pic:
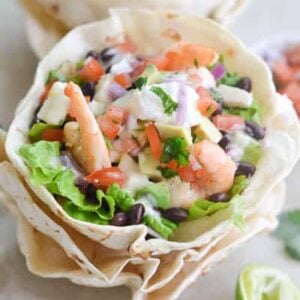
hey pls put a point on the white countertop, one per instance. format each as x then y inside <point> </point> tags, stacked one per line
<point>17,65</point>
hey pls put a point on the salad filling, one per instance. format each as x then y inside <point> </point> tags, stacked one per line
<point>122,139</point>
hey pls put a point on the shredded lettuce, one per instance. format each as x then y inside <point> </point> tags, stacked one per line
<point>42,158</point>
<point>252,153</point>
<point>162,226</point>
<point>56,75</point>
<point>203,207</point>
<point>81,215</point>
<point>159,191</point>
<point>251,113</point>
<point>122,198</point>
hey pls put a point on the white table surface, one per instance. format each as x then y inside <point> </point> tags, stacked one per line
<point>17,64</point>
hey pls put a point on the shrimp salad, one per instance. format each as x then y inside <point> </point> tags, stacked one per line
<point>121,139</point>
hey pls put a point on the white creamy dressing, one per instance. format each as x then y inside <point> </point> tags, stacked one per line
<point>55,109</point>
<point>101,99</point>
<point>240,141</point>
<point>149,204</point>
<point>146,105</point>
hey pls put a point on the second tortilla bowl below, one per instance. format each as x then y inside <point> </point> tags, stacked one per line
<point>279,149</point>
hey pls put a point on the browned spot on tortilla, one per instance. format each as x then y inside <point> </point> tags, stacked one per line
<point>173,34</point>
<point>231,52</point>
<point>76,258</point>
<point>54,8</point>
<point>170,15</point>
<point>106,237</point>
<point>57,231</point>
<point>91,229</point>
<point>89,272</point>
<point>112,40</point>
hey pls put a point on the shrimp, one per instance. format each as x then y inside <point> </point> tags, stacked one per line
<point>91,138</point>
<point>218,169</point>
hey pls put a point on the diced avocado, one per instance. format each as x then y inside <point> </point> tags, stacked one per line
<point>207,130</point>
<point>152,74</point>
<point>148,164</point>
<point>167,131</point>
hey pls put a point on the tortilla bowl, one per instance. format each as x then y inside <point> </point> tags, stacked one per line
<point>47,21</point>
<point>163,277</point>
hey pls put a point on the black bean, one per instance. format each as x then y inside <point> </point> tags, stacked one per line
<point>119,219</point>
<point>136,214</point>
<point>225,141</point>
<point>219,197</point>
<point>245,84</point>
<point>150,237</point>
<point>176,214</point>
<point>254,130</point>
<point>88,89</point>
<point>88,189</point>
<point>92,53</point>
<point>218,111</point>
<point>246,169</point>
<point>106,55</point>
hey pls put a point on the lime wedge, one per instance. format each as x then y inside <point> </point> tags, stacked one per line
<point>261,282</point>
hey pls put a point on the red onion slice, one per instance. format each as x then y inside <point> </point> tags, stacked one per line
<point>116,91</point>
<point>218,71</point>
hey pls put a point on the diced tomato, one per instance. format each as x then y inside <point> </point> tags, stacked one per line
<point>186,173</point>
<point>47,89</point>
<point>92,70</point>
<point>293,92</point>
<point>106,177</point>
<point>108,128</point>
<point>188,56</point>
<point>206,104</point>
<point>160,61</point>
<point>124,80</point>
<point>229,123</point>
<point>154,140</point>
<point>116,114</point>
<point>53,135</point>
<point>172,165</point>
<point>126,47</point>
<point>283,73</point>
<point>130,146</point>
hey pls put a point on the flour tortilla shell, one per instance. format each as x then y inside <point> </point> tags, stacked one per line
<point>281,144</point>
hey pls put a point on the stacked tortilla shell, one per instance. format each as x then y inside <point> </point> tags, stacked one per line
<point>47,21</point>
<point>107,256</point>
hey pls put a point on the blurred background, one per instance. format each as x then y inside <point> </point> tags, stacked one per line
<point>259,21</point>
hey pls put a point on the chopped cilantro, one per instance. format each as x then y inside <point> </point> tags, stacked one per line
<point>56,75</point>
<point>176,148</point>
<point>140,82</point>
<point>169,104</point>
<point>230,79</point>
<point>167,172</point>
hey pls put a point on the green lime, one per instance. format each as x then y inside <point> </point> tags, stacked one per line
<point>262,282</point>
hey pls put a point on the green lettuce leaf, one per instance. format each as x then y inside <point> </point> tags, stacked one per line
<point>251,113</point>
<point>159,191</point>
<point>239,185</point>
<point>81,215</point>
<point>122,198</point>
<point>252,153</point>
<point>230,79</point>
<point>202,208</point>
<point>111,204</point>
<point>237,218</point>
<point>162,226</point>
<point>42,158</point>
